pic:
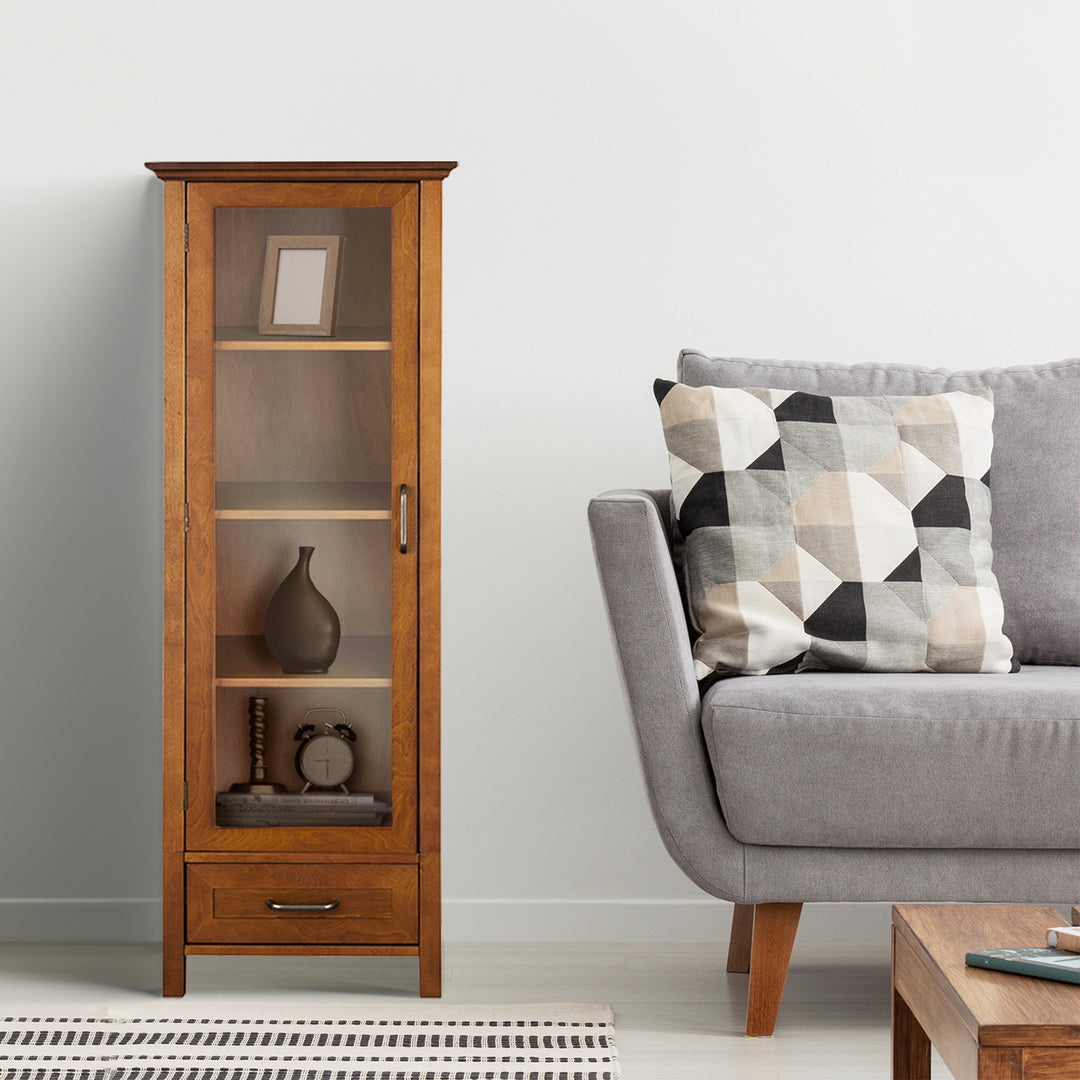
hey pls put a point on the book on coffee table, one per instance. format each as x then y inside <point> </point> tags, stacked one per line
<point>1056,964</point>
<point>1064,937</point>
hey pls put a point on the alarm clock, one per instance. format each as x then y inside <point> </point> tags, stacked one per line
<point>325,760</point>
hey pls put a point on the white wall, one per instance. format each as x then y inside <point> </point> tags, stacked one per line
<point>837,180</point>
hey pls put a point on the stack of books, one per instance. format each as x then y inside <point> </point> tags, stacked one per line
<point>292,809</point>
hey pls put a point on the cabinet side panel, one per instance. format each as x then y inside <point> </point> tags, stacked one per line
<point>174,571</point>
<point>199,761</point>
<point>428,704</point>
<point>175,304</point>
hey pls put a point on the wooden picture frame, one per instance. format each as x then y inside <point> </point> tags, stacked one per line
<point>300,285</point>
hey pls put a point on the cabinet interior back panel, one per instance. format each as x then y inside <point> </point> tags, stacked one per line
<point>240,254</point>
<point>294,416</point>
<point>350,567</point>
<point>365,710</point>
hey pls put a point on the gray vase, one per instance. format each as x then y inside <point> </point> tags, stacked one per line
<point>302,629</point>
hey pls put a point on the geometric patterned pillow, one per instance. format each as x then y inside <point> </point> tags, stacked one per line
<point>849,533</point>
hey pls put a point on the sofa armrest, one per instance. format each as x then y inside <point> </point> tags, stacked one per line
<point>633,557</point>
<point>645,609</point>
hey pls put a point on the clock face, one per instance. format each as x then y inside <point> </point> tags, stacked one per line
<point>325,761</point>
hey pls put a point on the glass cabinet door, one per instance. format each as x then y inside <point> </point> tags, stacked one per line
<point>301,477</point>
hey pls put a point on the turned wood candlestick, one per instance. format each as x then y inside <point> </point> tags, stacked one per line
<point>258,784</point>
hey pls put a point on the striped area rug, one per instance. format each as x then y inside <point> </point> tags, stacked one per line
<point>441,1042</point>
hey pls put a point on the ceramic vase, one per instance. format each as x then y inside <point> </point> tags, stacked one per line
<point>302,629</point>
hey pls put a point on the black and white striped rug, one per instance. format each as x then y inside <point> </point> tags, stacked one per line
<point>443,1042</point>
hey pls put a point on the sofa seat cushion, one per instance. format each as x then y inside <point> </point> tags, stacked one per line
<point>842,760</point>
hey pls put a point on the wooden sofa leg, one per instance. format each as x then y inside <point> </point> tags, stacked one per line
<point>774,935</point>
<point>742,935</point>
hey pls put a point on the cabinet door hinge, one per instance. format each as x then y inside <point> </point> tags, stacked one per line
<point>186,237</point>
<point>187,519</point>
<point>185,794</point>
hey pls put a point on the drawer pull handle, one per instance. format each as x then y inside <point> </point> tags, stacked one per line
<point>403,545</point>
<point>273,905</point>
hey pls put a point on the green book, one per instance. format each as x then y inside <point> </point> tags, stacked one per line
<point>1054,964</point>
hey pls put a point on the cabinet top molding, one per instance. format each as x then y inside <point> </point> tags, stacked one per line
<point>301,170</point>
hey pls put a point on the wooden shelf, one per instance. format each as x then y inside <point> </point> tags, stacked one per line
<point>347,339</point>
<point>303,501</point>
<point>362,662</point>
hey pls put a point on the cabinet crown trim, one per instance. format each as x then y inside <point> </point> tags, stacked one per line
<point>301,170</point>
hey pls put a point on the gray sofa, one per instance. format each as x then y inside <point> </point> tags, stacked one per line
<point>834,786</point>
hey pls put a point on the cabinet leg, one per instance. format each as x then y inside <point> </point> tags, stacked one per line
<point>430,926</point>
<point>430,972</point>
<point>173,932</point>
<point>173,974</point>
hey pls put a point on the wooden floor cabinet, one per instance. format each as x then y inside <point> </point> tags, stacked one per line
<point>302,403</point>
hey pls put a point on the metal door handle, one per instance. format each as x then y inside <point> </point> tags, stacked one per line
<point>273,905</point>
<point>404,545</point>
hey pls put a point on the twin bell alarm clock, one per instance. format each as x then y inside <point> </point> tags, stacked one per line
<point>325,760</point>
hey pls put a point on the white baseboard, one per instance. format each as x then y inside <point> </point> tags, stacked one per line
<point>645,920</point>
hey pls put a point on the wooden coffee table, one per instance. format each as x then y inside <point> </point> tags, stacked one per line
<point>986,1025</point>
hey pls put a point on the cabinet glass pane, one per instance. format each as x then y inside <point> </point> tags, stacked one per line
<point>303,460</point>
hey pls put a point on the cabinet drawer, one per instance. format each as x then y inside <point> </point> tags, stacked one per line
<point>302,903</point>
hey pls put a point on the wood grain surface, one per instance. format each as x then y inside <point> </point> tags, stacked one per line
<point>301,170</point>
<point>775,926</point>
<point>174,535</point>
<point>742,938</point>
<point>985,1024</point>
<point>270,444</point>
<point>429,534</point>
<point>1007,1009</point>
<point>430,924</point>
<point>376,904</point>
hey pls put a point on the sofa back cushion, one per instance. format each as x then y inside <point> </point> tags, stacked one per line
<point>1034,478</point>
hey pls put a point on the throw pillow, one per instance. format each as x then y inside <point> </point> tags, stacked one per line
<point>848,533</point>
<point>1034,485</point>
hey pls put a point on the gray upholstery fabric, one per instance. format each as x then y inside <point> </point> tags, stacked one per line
<point>839,759</point>
<point>653,646</point>
<point>897,876</point>
<point>631,545</point>
<point>1034,476</point>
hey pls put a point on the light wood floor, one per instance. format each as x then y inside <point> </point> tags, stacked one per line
<point>678,1015</point>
